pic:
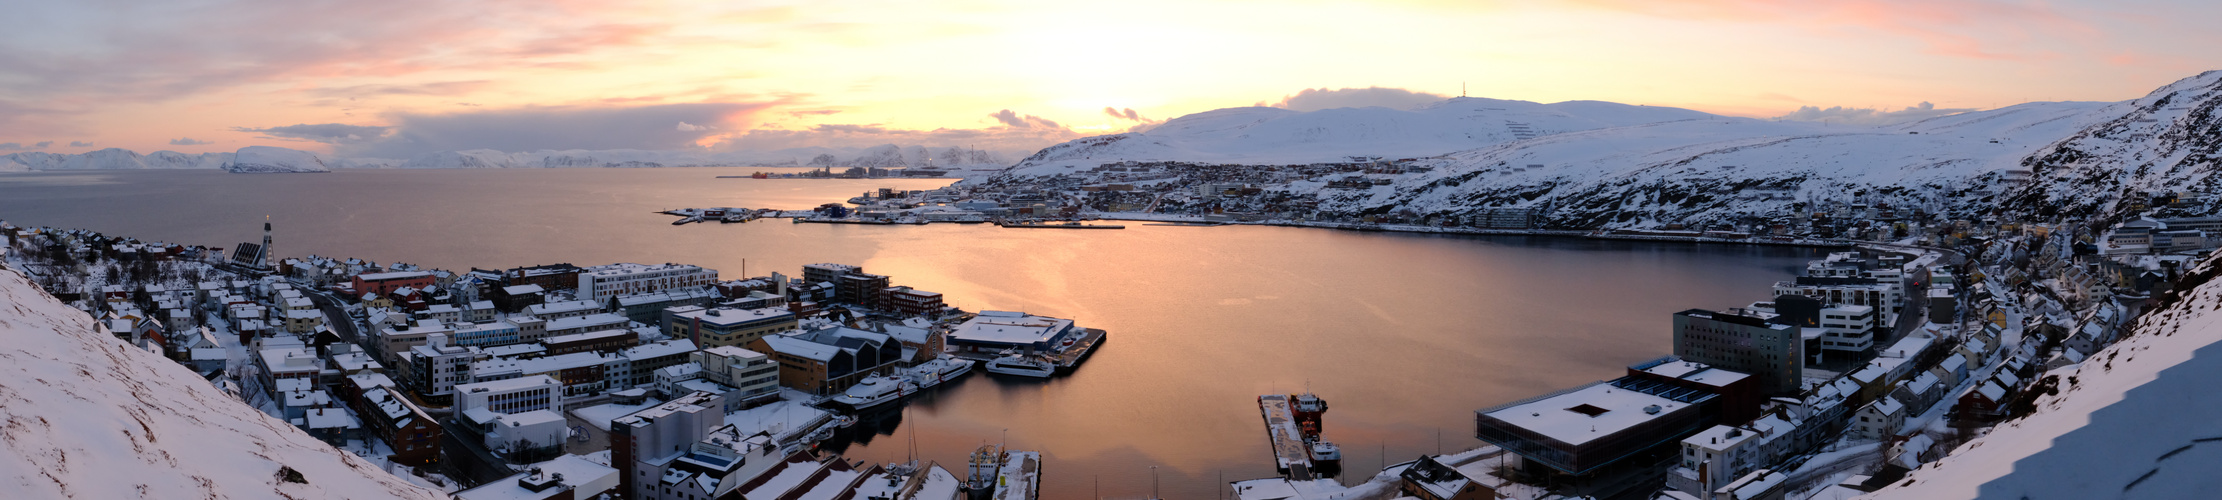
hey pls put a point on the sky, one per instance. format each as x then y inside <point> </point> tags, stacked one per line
<point>397,78</point>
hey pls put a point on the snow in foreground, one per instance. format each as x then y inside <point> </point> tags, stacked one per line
<point>2136,420</point>
<point>83,415</point>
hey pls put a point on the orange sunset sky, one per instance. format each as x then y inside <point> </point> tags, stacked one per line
<point>353,78</point>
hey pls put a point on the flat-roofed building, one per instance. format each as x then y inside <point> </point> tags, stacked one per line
<point>1743,343</point>
<point>754,374</point>
<point>517,395</point>
<point>1582,430</point>
<point>726,327</point>
<point>599,283</point>
<point>996,331</point>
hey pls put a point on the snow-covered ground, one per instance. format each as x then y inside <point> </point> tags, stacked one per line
<point>83,415</point>
<point>2135,420</point>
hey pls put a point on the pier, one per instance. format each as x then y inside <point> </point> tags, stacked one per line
<point>1290,455</point>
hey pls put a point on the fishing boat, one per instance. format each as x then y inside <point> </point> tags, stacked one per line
<point>1022,365</point>
<point>875,391</point>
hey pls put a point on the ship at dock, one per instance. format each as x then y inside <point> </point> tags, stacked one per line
<point>993,473</point>
<point>1293,426</point>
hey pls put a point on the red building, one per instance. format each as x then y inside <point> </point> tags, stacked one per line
<point>910,302</point>
<point>413,435</point>
<point>384,283</point>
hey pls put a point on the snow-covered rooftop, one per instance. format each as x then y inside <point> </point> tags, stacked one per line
<point>1591,412</point>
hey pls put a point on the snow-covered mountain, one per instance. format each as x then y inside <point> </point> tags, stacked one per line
<point>1261,135</point>
<point>110,159</point>
<point>1722,169</point>
<point>84,415</point>
<point>1609,165</point>
<point>269,160</point>
<point>2135,420</point>
<point>2168,141</point>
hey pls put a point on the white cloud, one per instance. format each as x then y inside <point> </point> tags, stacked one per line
<point>1395,98</point>
<point>1870,116</point>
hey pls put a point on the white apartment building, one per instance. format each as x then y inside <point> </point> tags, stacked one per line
<point>753,373</point>
<point>517,395</point>
<point>599,283</point>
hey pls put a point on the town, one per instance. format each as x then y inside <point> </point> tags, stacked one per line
<point>667,381</point>
<point>1877,360</point>
<point>646,381</point>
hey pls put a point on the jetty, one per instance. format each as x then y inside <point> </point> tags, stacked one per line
<point>1291,456</point>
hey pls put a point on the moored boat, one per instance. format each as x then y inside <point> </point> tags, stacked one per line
<point>1022,365</point>
<point>875,391</point>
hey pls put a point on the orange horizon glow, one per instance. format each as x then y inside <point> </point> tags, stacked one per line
<point>770,75</point>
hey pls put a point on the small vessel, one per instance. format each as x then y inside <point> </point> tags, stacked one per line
<point>875,391</point>
<point>1022,365</point>
<point>1324,452</point>
<point>938,370</point>
<point>844,421</point>
<point>734,217</point>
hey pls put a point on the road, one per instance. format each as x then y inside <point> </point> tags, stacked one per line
<point>335,314</point>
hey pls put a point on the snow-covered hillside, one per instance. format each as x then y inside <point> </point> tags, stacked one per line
<point>110,159</point>
<point>1720,169</point>
<point>1260,135</point>
<point>270,160</point>
<point>2136,420</point>
<point>1603,165</point>
<point>2170,140</point>
<point>86,416</point>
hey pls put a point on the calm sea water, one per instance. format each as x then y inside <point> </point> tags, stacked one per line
<point>1404,335</point>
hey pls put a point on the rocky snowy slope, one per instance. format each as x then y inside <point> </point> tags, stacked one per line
<point>2170,140</point>
<point>110,159</point>
<point>1261,135</point>
<point>1722,169</point>
<point>270,160</point>
<point>2136,420</point>
<point>85,416</point>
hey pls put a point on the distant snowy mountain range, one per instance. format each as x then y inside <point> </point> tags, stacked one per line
<point>882,156</point>
<point>1611,165</point>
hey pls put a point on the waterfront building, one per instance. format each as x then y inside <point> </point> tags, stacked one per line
<point>726,327</point>
<point>599,283</point>
<point>1581,431</point>
<point>831,360</point>
<point>997,331</point>
<point>1772,352</point>
<point>517,395</point>
<point>907,301</point>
